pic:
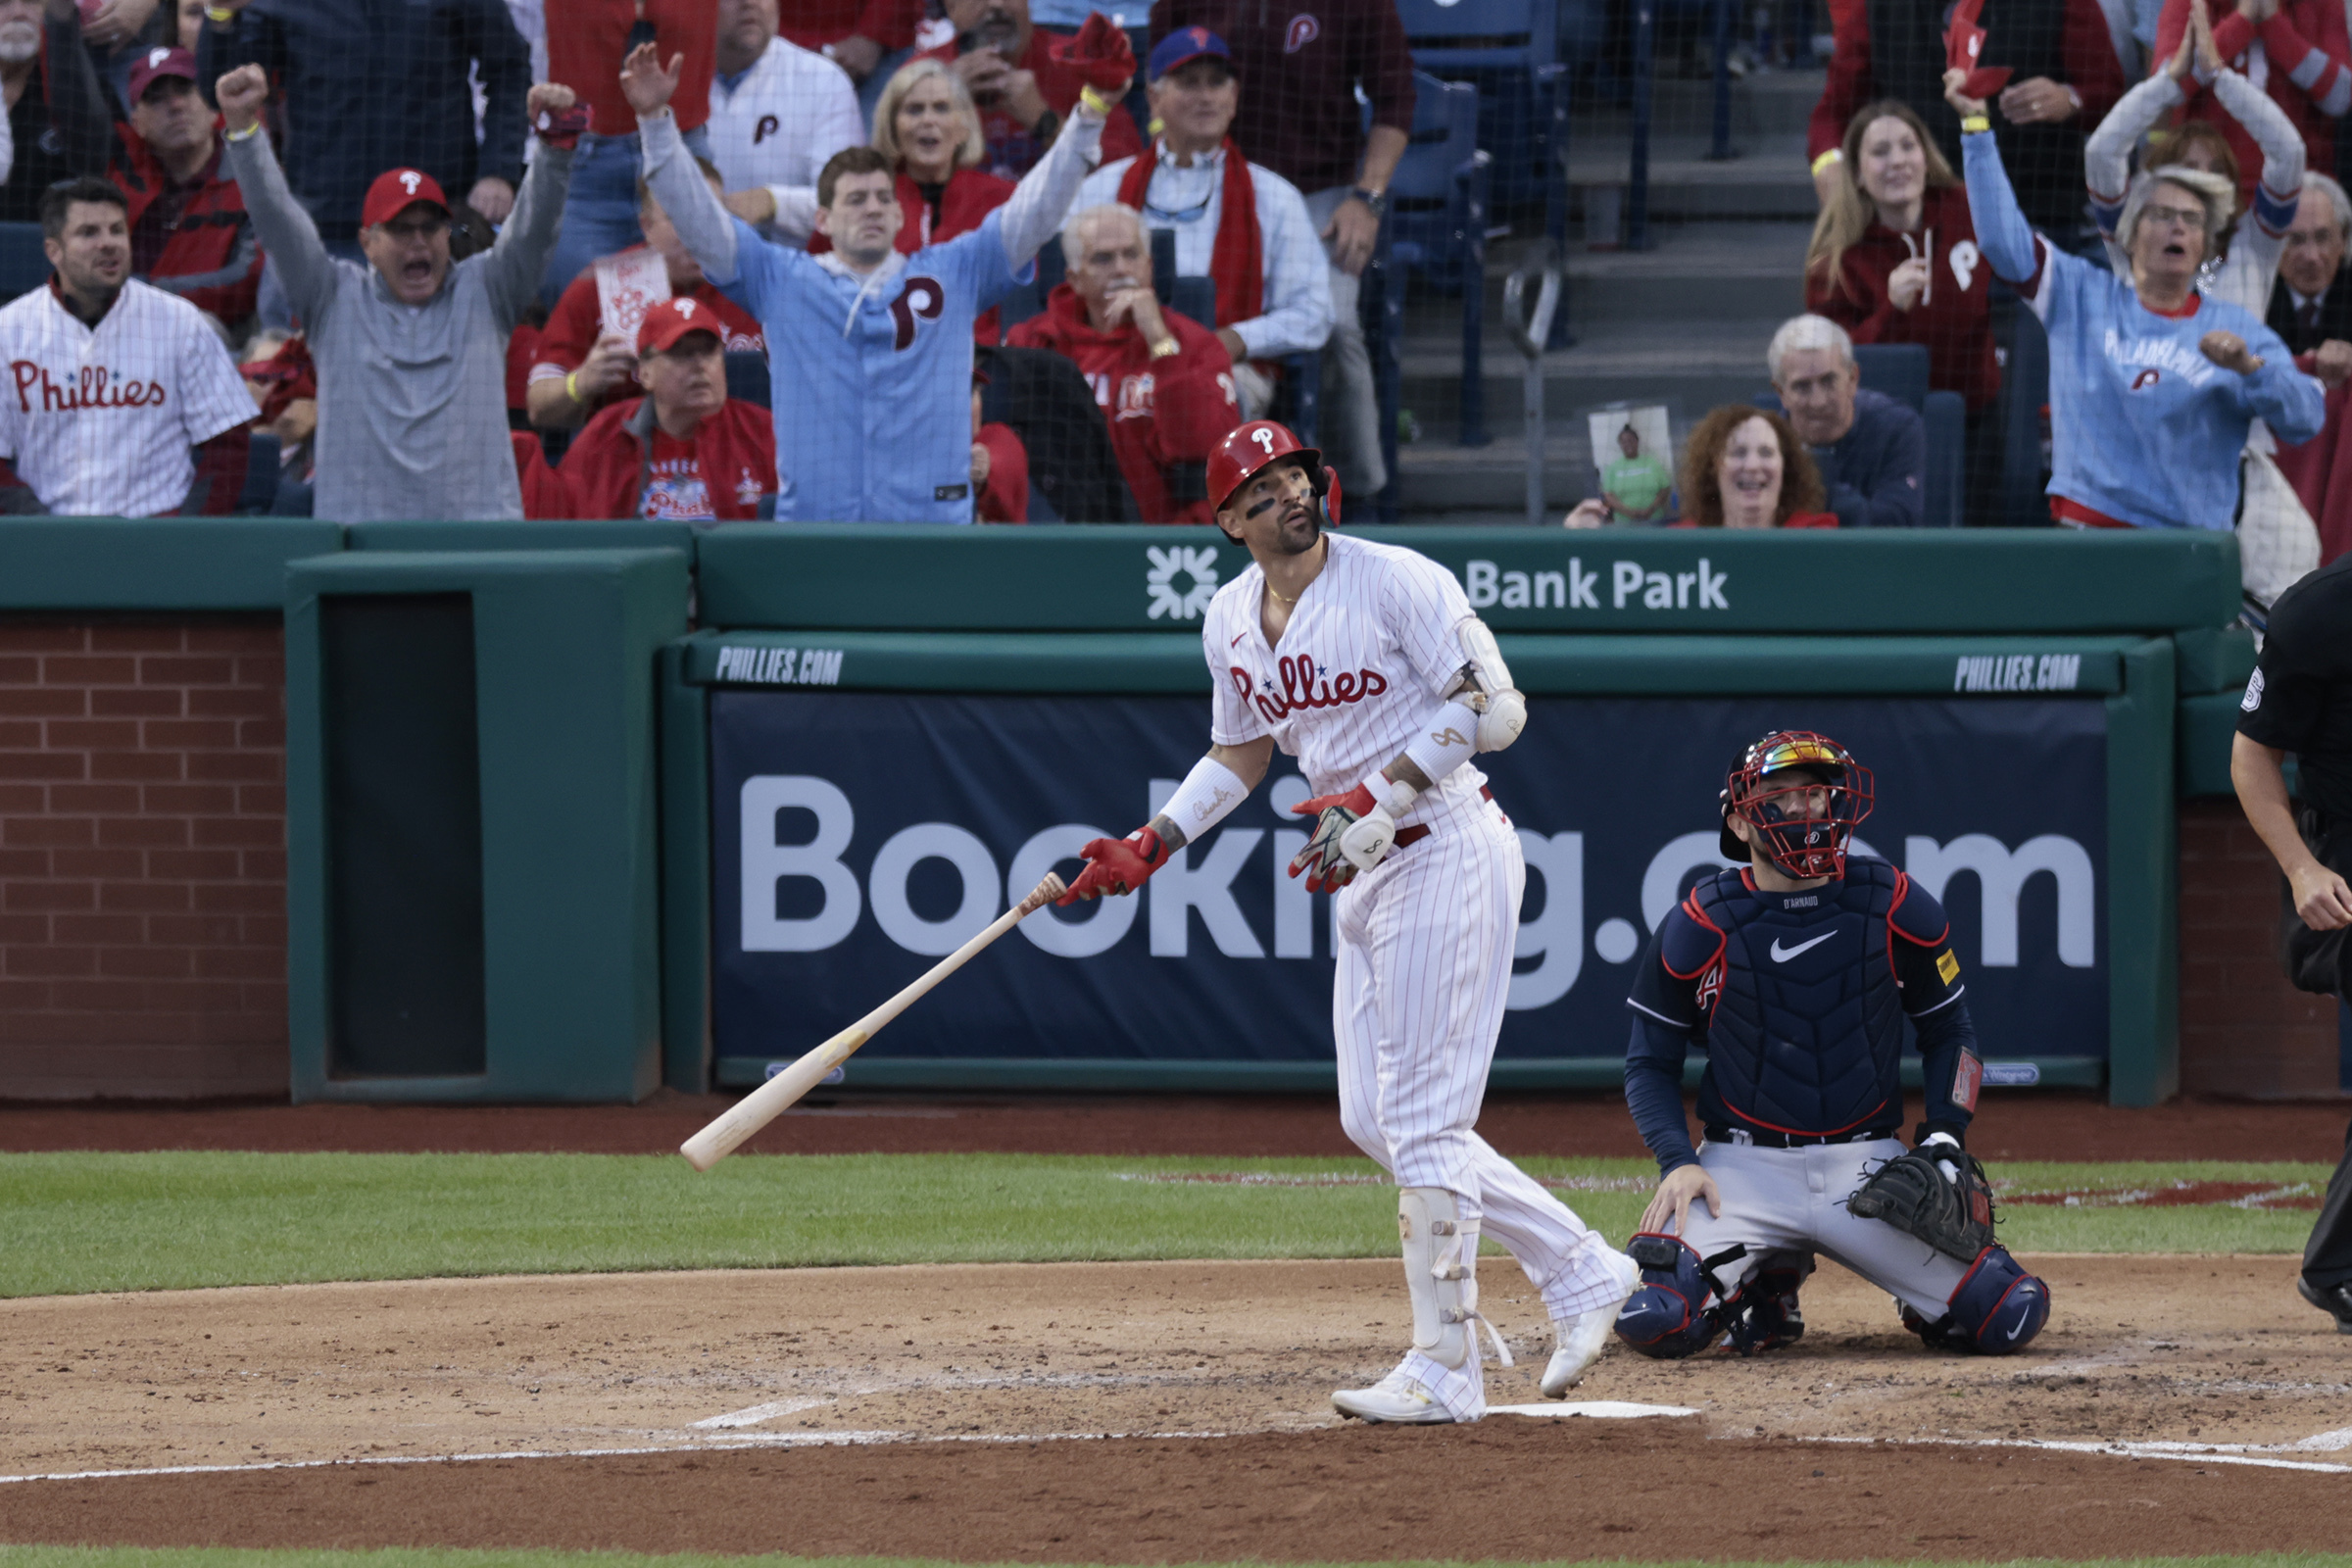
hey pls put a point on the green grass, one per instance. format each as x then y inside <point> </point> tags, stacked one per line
<point>81,1222</point>
<point>414,1557</point>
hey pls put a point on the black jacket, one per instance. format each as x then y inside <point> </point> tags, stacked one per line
<point>377,84</point>
<point>2336,315</point>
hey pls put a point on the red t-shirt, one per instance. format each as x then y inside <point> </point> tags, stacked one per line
<point>1952,317</point>
<point>587,42</point>
<point>574,325</point>
<point>1160,412</point>
<point>718,475</point>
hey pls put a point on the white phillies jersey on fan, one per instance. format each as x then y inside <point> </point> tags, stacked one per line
<point>99,424</point>
<point>1369,646</point>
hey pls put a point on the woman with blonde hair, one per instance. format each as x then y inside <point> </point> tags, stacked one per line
<point>1895,257</point>
<point>929,128</point>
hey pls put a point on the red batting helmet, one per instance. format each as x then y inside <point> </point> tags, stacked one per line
<point>1252,447</point>
<point>1805,832</point>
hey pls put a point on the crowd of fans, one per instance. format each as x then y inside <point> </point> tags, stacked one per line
<point>453,293</point>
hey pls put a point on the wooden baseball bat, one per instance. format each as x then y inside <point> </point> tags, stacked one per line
<point>765,1104</point>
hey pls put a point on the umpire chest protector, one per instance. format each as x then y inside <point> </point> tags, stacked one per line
<point>1803,1014</point>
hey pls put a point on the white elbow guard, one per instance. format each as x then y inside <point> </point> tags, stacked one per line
<point>1486,689</point>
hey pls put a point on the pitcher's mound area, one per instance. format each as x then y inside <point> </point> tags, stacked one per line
<point>1154,1412</point>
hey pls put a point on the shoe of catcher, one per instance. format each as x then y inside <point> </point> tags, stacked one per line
<point>1396,1398</point>
<point>2335,1302</point>
<point>1582,1337</point>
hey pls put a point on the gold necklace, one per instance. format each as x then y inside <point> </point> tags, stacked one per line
<point>1288,599</point>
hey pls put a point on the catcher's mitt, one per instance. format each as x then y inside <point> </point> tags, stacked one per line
<point>1953,1215</point>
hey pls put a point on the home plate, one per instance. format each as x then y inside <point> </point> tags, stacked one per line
<point>1598,1409</point>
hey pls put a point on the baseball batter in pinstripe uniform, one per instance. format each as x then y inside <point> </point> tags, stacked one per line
<point>1364,662</point>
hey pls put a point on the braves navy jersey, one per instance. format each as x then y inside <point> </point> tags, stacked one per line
<point>1799,1001</point>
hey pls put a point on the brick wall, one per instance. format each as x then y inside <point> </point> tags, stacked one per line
<point>2243,1029</point>
<point>142,857</point>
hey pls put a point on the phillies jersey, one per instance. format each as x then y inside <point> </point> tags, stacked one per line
<point>100,423</point>
<point>873,392</point>
<point>1370,645</point>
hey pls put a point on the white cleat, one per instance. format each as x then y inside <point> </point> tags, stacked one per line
<point>1583,1338</point>
<point>1397,1398</point>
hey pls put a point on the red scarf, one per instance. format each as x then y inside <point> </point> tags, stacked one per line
<point>1238,263</point>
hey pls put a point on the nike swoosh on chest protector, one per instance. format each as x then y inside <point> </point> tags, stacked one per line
<point>1780,955</point>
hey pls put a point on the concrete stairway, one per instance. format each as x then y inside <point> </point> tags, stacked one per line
<point>1683,322</point>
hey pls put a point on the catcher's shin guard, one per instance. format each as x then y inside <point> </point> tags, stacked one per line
<point>1673,1311</point>
<point>1441,1274</point>
<point>1997,1309</point>
<point>1764,1315</point>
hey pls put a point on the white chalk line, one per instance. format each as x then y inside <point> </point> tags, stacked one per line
<point>1594,1409</point>
<point>2250,1455</point>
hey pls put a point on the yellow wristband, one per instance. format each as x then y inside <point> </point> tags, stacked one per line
<point>220,14</point>
<point>247,134</point>
<point>572,388</point>
<point>1834,156</point>
<point>1975,124</point>
<point>1167,346</point>
<point>1088,98</point>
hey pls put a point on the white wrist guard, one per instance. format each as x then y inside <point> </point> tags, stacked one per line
<point>1201,802</point>
<point>1366,840</point>
<point>1444,742</point>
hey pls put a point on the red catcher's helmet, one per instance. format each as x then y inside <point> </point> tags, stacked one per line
<point>1249,447</point>
<point>1805,833</point>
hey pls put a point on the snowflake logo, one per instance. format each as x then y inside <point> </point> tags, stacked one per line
<point>1200,564</point>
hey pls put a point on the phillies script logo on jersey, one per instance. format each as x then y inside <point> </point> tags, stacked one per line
<point>1300,689</point>
<point>93,386</point>
<point>922,301</point>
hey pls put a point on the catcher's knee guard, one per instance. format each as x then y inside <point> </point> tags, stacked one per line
<point>1997,1309</point>
<point>1673,1313</point>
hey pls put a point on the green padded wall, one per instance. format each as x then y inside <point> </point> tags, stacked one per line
<point>566,647</point>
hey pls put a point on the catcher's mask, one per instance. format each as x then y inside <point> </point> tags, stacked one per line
<point>1805,794</point>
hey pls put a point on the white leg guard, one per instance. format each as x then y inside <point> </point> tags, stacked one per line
<point>1442,1377</point>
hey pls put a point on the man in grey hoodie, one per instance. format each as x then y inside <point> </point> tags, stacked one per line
<point>411,347</point>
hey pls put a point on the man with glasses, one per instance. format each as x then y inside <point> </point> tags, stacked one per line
<point>412,347</point>
<point>2308,305</point>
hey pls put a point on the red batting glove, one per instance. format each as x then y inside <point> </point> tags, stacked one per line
<point>1100,53</point>
<point>1118,866</point>
<point>564,129</point>
<point>1327,870</point>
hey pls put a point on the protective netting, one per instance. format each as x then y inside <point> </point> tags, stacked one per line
<point>1323,201</point>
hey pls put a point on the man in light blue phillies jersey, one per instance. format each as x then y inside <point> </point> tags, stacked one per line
<point>870,352</point>
<point>2152,385</point>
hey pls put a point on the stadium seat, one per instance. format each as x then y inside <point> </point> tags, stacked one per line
<point>23,266</point>
<point>1438,197</point>
<point>747,377</point>
<point>1509,49</point>
<point>2025,393</point>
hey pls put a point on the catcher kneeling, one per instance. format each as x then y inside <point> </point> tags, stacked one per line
<point>1794,974</point>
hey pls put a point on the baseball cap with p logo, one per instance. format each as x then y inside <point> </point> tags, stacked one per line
<point>397,189</point>
<point>157,64</point>
<point>1184,46</point>
<point>672,319</point>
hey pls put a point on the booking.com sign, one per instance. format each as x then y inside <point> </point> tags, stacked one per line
<point>1200,883</point>
<point>860,836</point>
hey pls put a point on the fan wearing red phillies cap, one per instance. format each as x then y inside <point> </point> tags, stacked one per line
<point>189,233</point>
<point>1364,662</point>
<point>685,452</point>
<point>411,349</point>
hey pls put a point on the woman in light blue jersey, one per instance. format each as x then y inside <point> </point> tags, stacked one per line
<point>2153,387</point>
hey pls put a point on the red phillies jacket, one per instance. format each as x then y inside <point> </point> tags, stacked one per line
<point>719,474</point>
<point>1160,412</point>
<point>1953,318</point>
<point>210,259</point>
<point>2309,54</point>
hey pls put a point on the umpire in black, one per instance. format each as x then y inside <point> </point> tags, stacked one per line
<point>2300,701</point>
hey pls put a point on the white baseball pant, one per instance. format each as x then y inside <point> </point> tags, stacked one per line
<point>1423,941</point>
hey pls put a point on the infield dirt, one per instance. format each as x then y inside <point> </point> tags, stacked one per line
<point>1215,1377</point>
